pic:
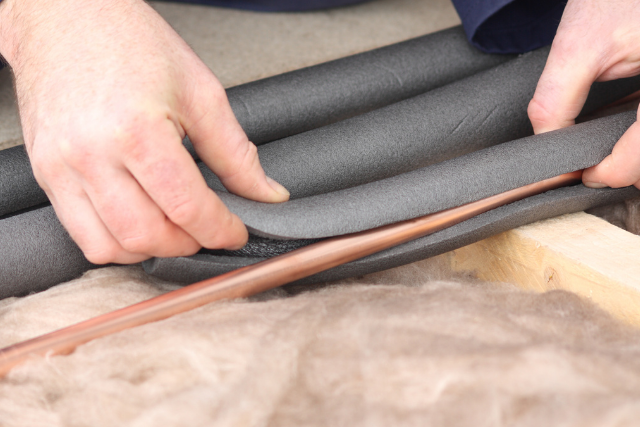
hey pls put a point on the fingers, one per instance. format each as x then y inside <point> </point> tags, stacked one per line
<point>133,219</point>
<point>223,146</point>
<point>111,217</point>
<point>77,215</point>
<point>595,41</point>
<point>622,167</point>
<point>563,87</point>
<point>146,198</point>
<point>168,175</point>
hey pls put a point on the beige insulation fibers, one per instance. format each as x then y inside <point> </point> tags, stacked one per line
<point>394,348</point>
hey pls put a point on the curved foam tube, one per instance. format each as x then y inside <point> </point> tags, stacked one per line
<point>436,187</point>
<point>36,253</point>
<point>304,99</point>
<point>430,189</point>
<point>547,205</point>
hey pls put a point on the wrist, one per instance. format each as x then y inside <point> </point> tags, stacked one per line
<point>36,28</point>
<point>8,39</point>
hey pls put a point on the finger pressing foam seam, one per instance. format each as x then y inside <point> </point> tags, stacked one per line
<point>622,167</point>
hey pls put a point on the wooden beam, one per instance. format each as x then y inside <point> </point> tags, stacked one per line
<point>579,252</point>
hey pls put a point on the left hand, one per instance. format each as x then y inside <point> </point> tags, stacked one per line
<point>596,41</point>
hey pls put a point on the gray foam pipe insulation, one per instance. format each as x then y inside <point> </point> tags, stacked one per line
<point>283,105</point>
<point>478,111</point>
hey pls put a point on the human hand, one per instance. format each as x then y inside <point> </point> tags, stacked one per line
<point>596,41</point>
<point>106,92</point>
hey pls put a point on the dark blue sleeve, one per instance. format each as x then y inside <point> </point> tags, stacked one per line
<point>510,26</point>
<point>274,5</point>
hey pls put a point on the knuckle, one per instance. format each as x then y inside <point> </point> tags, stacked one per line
<point>132,143</point>
<point>140,244</point>
<point>182,211</point>
<point>538,112</point>
<point>246,159</point>
<point>42,156</point>
<point>248,155</point>
<point>37,155</point>
<point>77,154</point>
<point>121,137</point>
<point>249,163</point>
<point>563,46</point>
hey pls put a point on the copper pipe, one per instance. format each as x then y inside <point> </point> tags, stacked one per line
<point>266,275</point>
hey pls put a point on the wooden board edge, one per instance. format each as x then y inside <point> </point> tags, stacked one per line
<point>579,253</point>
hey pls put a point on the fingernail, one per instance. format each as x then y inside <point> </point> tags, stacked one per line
<point>278,187</point>
<point>595,184</point>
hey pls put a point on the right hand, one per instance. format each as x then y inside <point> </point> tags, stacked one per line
<point>106,92</point>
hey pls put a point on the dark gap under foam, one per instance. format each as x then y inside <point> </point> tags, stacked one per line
<point>261,247</point>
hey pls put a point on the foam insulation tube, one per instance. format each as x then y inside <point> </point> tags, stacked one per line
<point>36,252</point>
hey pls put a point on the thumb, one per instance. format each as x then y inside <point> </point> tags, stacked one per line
<point>223,146</point>
<point>563,88</point>
<point>621,168</point>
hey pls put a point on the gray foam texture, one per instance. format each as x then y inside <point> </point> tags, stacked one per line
<point>312,97</point>
<point>485,109</point>
<point>18,187</point>
<point>546,205</point>
<point>301,100</point>
<point>36,251</point>
<point>436,187</point>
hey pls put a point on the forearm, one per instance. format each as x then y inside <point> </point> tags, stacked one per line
<point>33,31</point>
<point>23,24</point>
<point>10,28</point>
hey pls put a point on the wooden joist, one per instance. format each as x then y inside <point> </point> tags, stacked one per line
<point>579,252</point>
